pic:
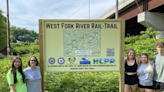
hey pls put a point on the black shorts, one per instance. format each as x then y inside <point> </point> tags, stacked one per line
<point>158,85</point>
<point>131,79</point>
<point>147,87</point>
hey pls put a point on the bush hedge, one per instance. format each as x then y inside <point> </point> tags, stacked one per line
<point>81,81</point>
<point>5,65</point>
<point>24,48</point>
<point>68,81</point>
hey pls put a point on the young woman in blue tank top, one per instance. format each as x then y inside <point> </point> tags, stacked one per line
<point>131,78</point>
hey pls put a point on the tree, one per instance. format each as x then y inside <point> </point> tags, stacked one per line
<point>143,43</point>
<point>22,34</point>
<point>3,35</point>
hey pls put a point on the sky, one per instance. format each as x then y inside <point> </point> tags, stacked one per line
<point>26,13</point>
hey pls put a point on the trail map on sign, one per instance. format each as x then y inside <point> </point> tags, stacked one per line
<point>82,43</point>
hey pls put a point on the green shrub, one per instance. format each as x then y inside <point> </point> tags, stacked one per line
<point>82,82</point>
<point>143,43</point>
<point>67,81</point>
<point>24,48</point>
<point>5,65</point>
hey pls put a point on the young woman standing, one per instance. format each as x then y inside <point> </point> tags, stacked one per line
<point>145,74</point>
<point>131,78</point>
<point>16,77</point>
<point>33,76</point>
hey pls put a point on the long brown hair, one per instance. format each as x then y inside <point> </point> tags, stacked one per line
<point>13,70</point>
<point>127,58</point>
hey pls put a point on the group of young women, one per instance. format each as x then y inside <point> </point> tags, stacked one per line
<point>27,80</point>
<point>138,72</point>
<point>143,73</point>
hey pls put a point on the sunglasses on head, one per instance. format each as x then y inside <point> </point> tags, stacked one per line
<point>143,53</point>
<point>32,60</point>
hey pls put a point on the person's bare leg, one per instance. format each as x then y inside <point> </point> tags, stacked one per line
<point>157,90</point>
<point>141,90</point>
<point>148,90</point>
<point>133,87</point>
<point>126,88</point>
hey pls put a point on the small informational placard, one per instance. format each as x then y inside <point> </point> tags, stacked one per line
<point>81,45</point>
<point>83,52</point>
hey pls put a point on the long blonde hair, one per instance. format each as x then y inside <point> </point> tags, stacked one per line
<point>148,62</point>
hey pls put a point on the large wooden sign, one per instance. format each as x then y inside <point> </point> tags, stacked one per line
<point>82,45</point>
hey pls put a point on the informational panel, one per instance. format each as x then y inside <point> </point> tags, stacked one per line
<point>81,45</point>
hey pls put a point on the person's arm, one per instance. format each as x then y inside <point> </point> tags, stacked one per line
<point>137,60</point>
<point>154,58</point>
<point>153,65</point>
<point>10,80</point>
<point>12,88</point>
<point>150,62</point>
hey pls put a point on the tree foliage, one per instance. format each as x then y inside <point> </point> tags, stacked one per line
<point>143,43</point>
<point>22,34</point>
<point>24,48</point>
<point>3,35</point>
<point>81,81</point>
<point>5,65</point>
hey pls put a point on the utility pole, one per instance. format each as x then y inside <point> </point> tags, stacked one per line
<point>116,14</point>
<point>89,9</point>
<point>8,33</point>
